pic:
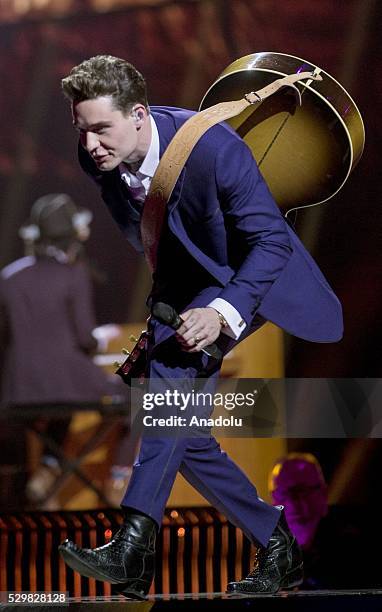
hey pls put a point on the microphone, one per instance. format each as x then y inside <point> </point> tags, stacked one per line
<point>168,316</point>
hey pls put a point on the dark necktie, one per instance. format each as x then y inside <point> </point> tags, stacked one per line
<point>137,195</point>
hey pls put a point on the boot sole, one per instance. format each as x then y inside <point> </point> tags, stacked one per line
<point>126,588</point>
<point>290,581</point>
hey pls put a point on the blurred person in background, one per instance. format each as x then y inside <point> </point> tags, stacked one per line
<point>333,539</point>
<point>297,482</point>
<point>47,326</point>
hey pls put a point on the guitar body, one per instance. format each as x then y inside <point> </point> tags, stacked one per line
<point>306,152</point>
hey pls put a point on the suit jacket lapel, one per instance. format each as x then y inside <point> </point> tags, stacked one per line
<point>167,130</point>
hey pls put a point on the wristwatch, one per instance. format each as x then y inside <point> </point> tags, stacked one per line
<point>222,320</point>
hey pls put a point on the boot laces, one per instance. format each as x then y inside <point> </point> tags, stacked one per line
<point>114,544</point>
<point>259,562</point>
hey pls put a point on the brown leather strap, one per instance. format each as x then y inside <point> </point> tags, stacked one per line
<point>179,150</point>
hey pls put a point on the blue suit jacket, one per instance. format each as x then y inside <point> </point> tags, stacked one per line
<point>223,213</point>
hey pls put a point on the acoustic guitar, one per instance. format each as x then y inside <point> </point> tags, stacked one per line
<point>305,152</point>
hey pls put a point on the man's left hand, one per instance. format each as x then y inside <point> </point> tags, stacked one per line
<point>201,327</point>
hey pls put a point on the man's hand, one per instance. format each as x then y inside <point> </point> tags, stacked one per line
<point>201,327</point>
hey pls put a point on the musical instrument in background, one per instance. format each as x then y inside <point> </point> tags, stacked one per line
<point>307,152</point>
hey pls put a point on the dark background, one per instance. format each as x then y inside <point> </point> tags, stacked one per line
<point>181,47</point>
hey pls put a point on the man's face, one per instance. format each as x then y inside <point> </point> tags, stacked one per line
<point>300,489</point>
<point>108,135</point>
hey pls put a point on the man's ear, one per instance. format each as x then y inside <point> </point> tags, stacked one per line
<point>139,113</point>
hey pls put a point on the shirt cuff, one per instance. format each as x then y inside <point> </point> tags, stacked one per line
<point>234,319</point>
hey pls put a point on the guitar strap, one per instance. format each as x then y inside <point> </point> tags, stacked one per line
<point>180,148</point>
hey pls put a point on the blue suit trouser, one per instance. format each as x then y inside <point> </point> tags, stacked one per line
<point>199,459</point>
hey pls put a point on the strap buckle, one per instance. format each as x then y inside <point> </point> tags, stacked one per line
<point>253,93</point>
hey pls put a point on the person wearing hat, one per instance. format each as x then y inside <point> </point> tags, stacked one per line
<point>57,227</point>
<point>48,328</point>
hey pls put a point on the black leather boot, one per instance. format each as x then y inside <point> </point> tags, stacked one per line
<point>279,566</point>
<point>128,560</point>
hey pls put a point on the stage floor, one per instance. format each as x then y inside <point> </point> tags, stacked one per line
<point>307,601</point>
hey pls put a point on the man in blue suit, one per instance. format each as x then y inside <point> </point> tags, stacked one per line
<point>227,261</point>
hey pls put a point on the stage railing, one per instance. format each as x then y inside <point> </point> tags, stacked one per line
<point>198,551</point>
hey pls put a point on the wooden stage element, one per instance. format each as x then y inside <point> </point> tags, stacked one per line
<point>197,551</point>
